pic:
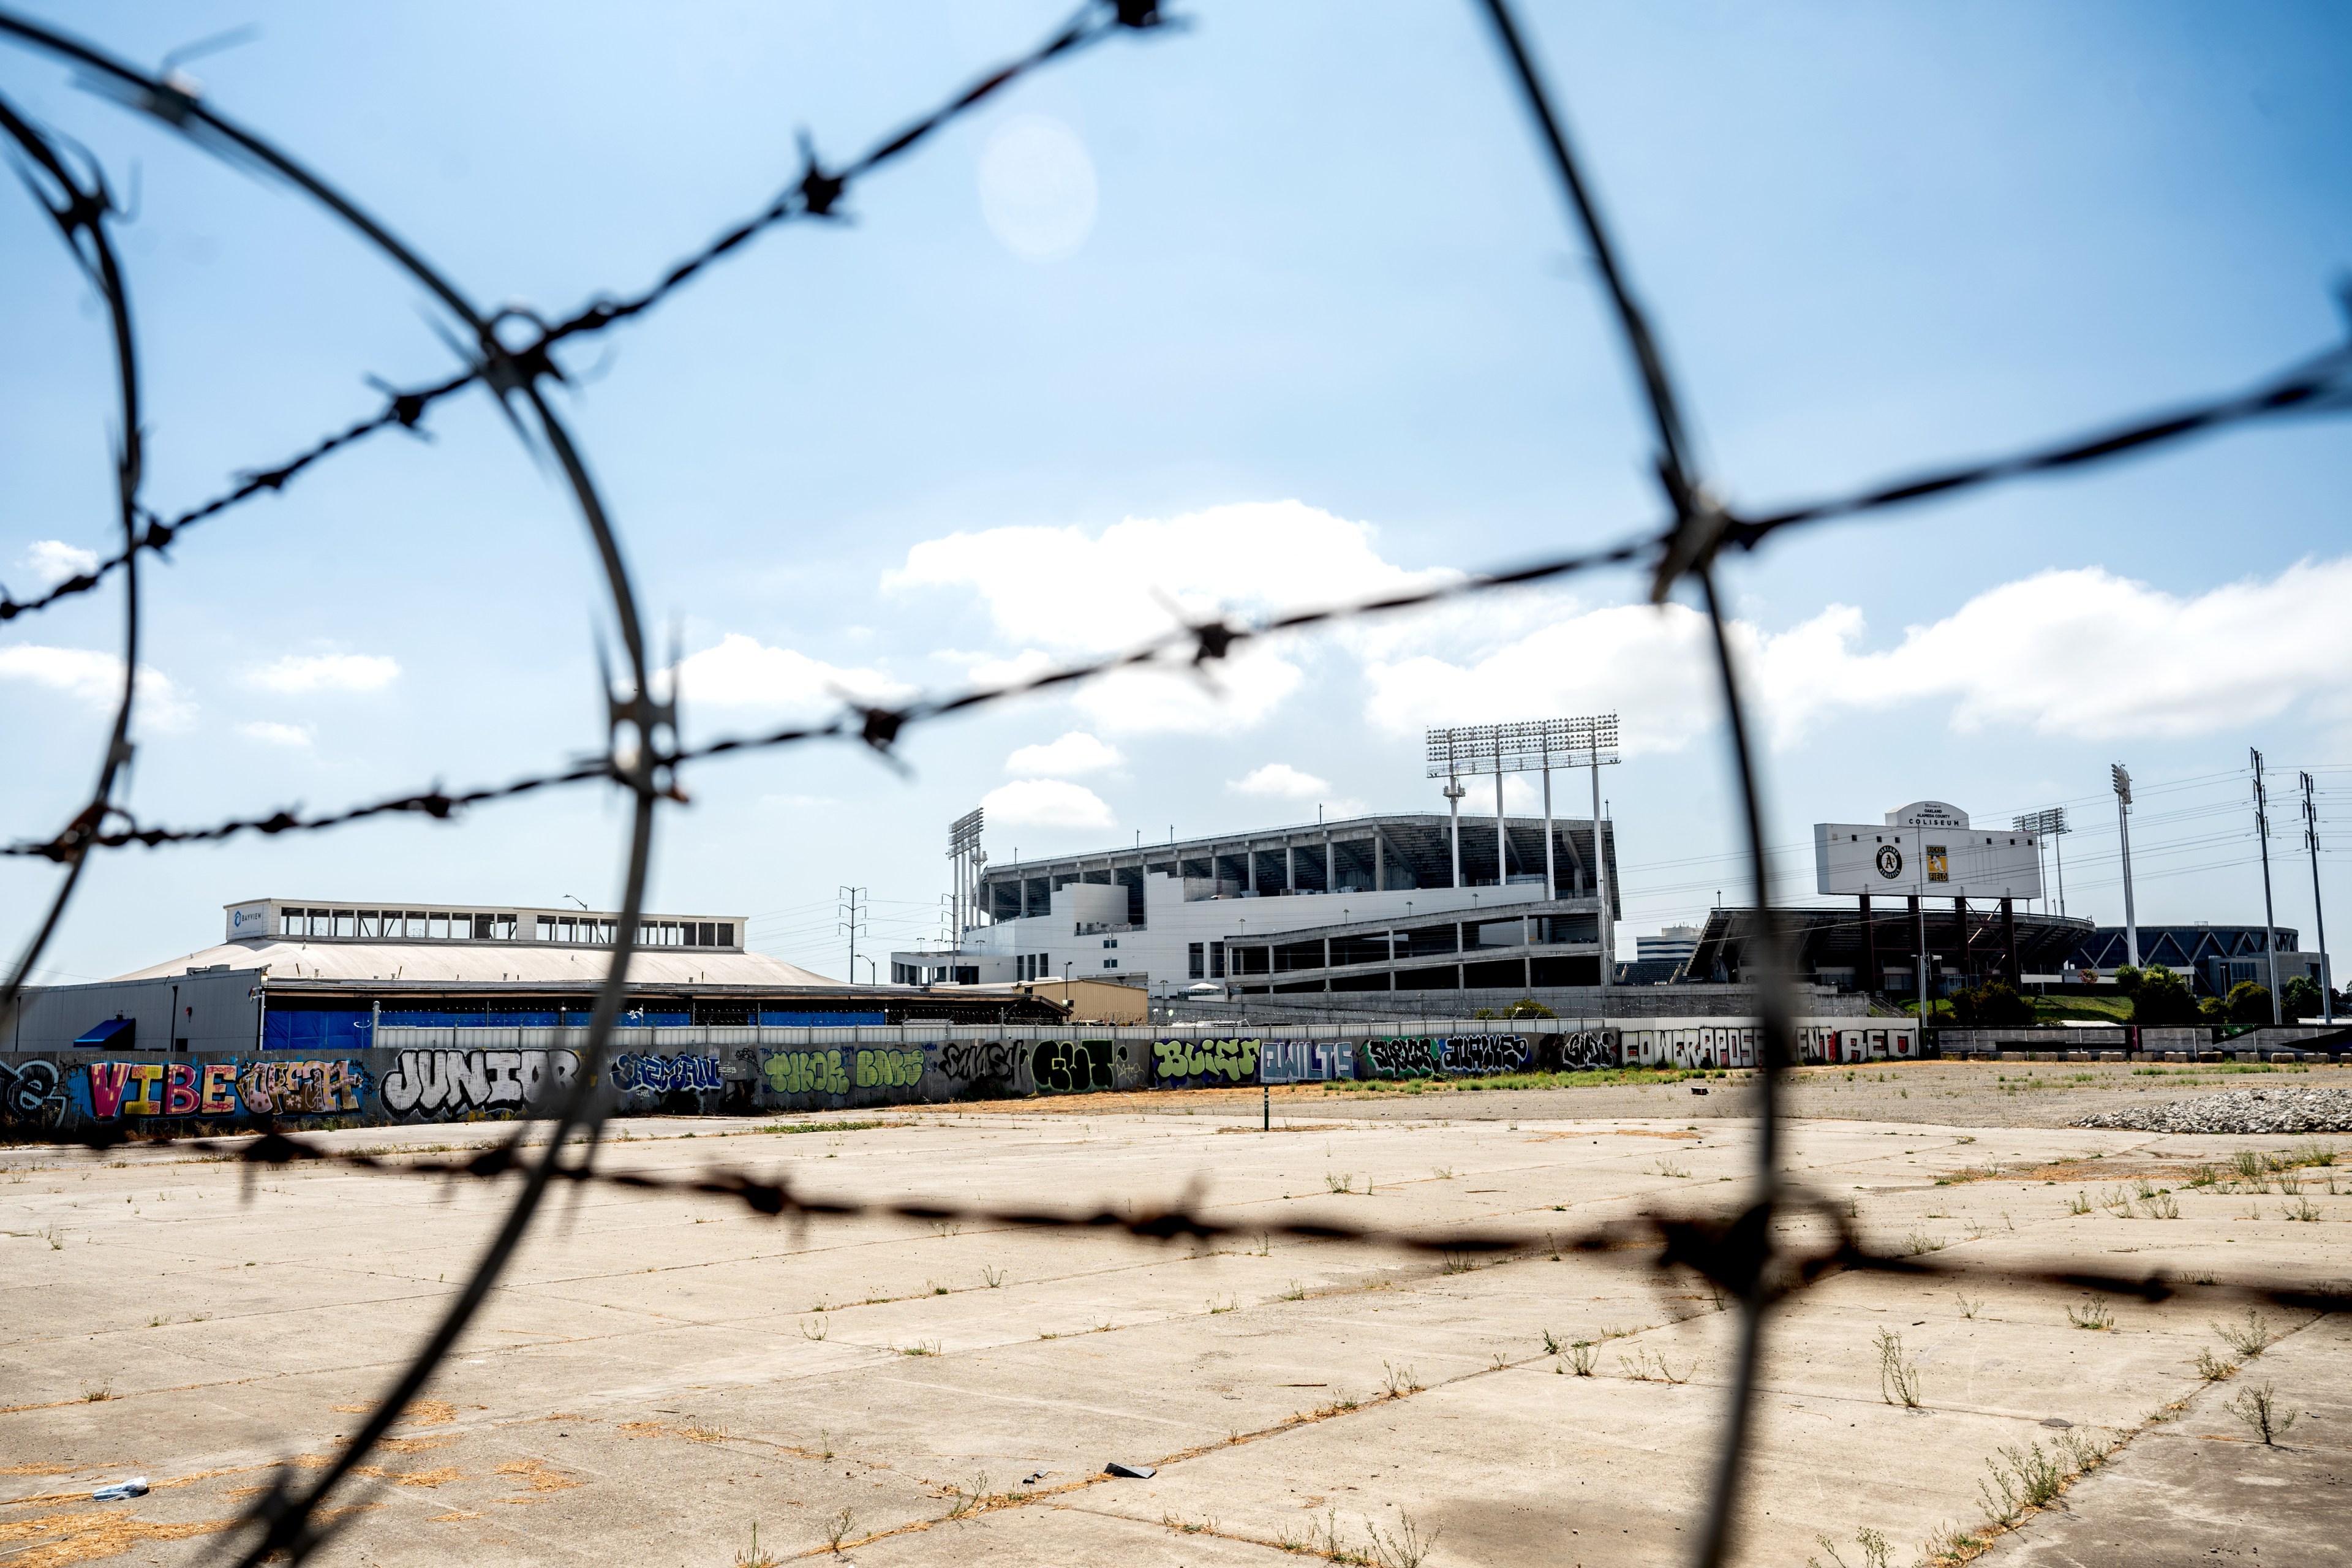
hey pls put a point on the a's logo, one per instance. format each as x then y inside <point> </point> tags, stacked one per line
<point>1890,861</point>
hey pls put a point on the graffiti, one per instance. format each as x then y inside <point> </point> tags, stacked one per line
<point>634,1074</point>
<point>263,1087</point>
<point>29,1092</point>
<point>1479,1054</point>
<point>1305,1061</point>
<point>1587,1049</point>
<point>979,1061</point>
<point>1234,1061</point>
<point>1074,1066</point>
<point>461,1081</point>
<point>1399,1059</point>
<point>804,1072</point>
<point>890,1069</point>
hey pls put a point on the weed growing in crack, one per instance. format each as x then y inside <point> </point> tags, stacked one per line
<point>2022,1479</point>
<point>1402,1547</point>
<point>1969,1309</point>
<point>813,1332</point>
<point>2079,1204</point>
<point>2258,1408</point>
<point>1551,1344</point>
<point>1918,1242</point>
<point>993,1277</point>
<point>2250,1341</point>
<point>2093,1314</point>
<point>1399,1381</point>
<point>1340,1183</point>
<point>1579,1358</point>
<point>1875,1552</point>
<point>755,1557</point>
<point>2212,1368</point>
<point>1898,1380</point>
<point>1297,1292</point>
<point>838,1528</point>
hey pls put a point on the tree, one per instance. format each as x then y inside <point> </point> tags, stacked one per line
<point>2249,1003</point>
<point>2162,998</point>
<point>1994,1005</point>
<point>2300,999</point>
<point>2127,980</point>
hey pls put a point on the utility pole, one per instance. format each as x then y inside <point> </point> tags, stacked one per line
<point>2311,842</point>
<point>852,920</point>
<point>2120,777</point>
<point>2270,923</point>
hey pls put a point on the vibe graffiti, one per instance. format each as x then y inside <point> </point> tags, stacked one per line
<point>1074,1066</point>
<point>435,1081</point>
<point>978,1061</point>
<point>888,1070</point>
<point>1234,1061</point>
<point>1474,1054</point>
<point>31,1091</point>
<point>804,1072</point>
<point>1399,1059</point>
<point>261,1087</point>
<point>635,1074</point>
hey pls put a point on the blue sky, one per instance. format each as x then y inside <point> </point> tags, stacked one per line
<point>1276,310</point>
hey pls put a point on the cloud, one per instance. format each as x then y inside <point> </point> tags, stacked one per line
<point>2082,652</point>
<point>53,561</point>
<point>1280,781</point>
<point>1075,753</point>
<point>1071,591</point>
<point>1046,802</point>
<point>274,733</point>
<point>741,671</point>
<point>328,672</point>
<point>97,678</point>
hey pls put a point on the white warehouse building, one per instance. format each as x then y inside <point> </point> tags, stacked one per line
<point>1372,903</point>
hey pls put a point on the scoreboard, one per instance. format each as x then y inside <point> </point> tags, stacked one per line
<point>1926,850</point>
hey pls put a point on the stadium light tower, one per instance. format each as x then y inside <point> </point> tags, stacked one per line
<point>1536,746</point>
<point>2047,826</point>
<point>2120,777</point>
<point>963,848</point>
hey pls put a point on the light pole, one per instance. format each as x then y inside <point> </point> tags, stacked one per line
<point>2270,923</point>
<point>852,920</point>
<point>2311,842</point>
<point>2120,777</point>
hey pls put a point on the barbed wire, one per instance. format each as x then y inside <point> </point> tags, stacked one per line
<point>643,753</point>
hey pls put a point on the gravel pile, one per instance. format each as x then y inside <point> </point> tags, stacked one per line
<point>2240,1110</point>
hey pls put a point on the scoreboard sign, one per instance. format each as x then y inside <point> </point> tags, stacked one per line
<point>1927,848</point>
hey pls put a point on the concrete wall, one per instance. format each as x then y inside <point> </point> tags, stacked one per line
<point>453,1074</point>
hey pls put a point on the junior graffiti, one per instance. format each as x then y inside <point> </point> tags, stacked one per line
<point>460,1082</point>
<point>1214,1061</point>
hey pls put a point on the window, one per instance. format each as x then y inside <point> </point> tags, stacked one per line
<point>1111,941</point>
<point>1216,960</point>
<point>710,934</point>
<point>437,925</point>
<point>1111,964</point>
<point>346,923</point>
<point>1045,965</point>
<point>415,924</point>
<point>1196,960</point>
<point>481,928</point>
<point>504,927</point>
<point>726,933</point>
<point>547,928</point>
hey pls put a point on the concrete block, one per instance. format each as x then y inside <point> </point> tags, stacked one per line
<point>2111,1055</point>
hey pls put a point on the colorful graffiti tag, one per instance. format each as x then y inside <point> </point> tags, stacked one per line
<point>461,1082</point>
<point>268,1087</point>
<point>1205,1061</point>
<point>888,1070</point>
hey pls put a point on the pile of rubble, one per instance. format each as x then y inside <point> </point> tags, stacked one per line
<point>2240,1110</point>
